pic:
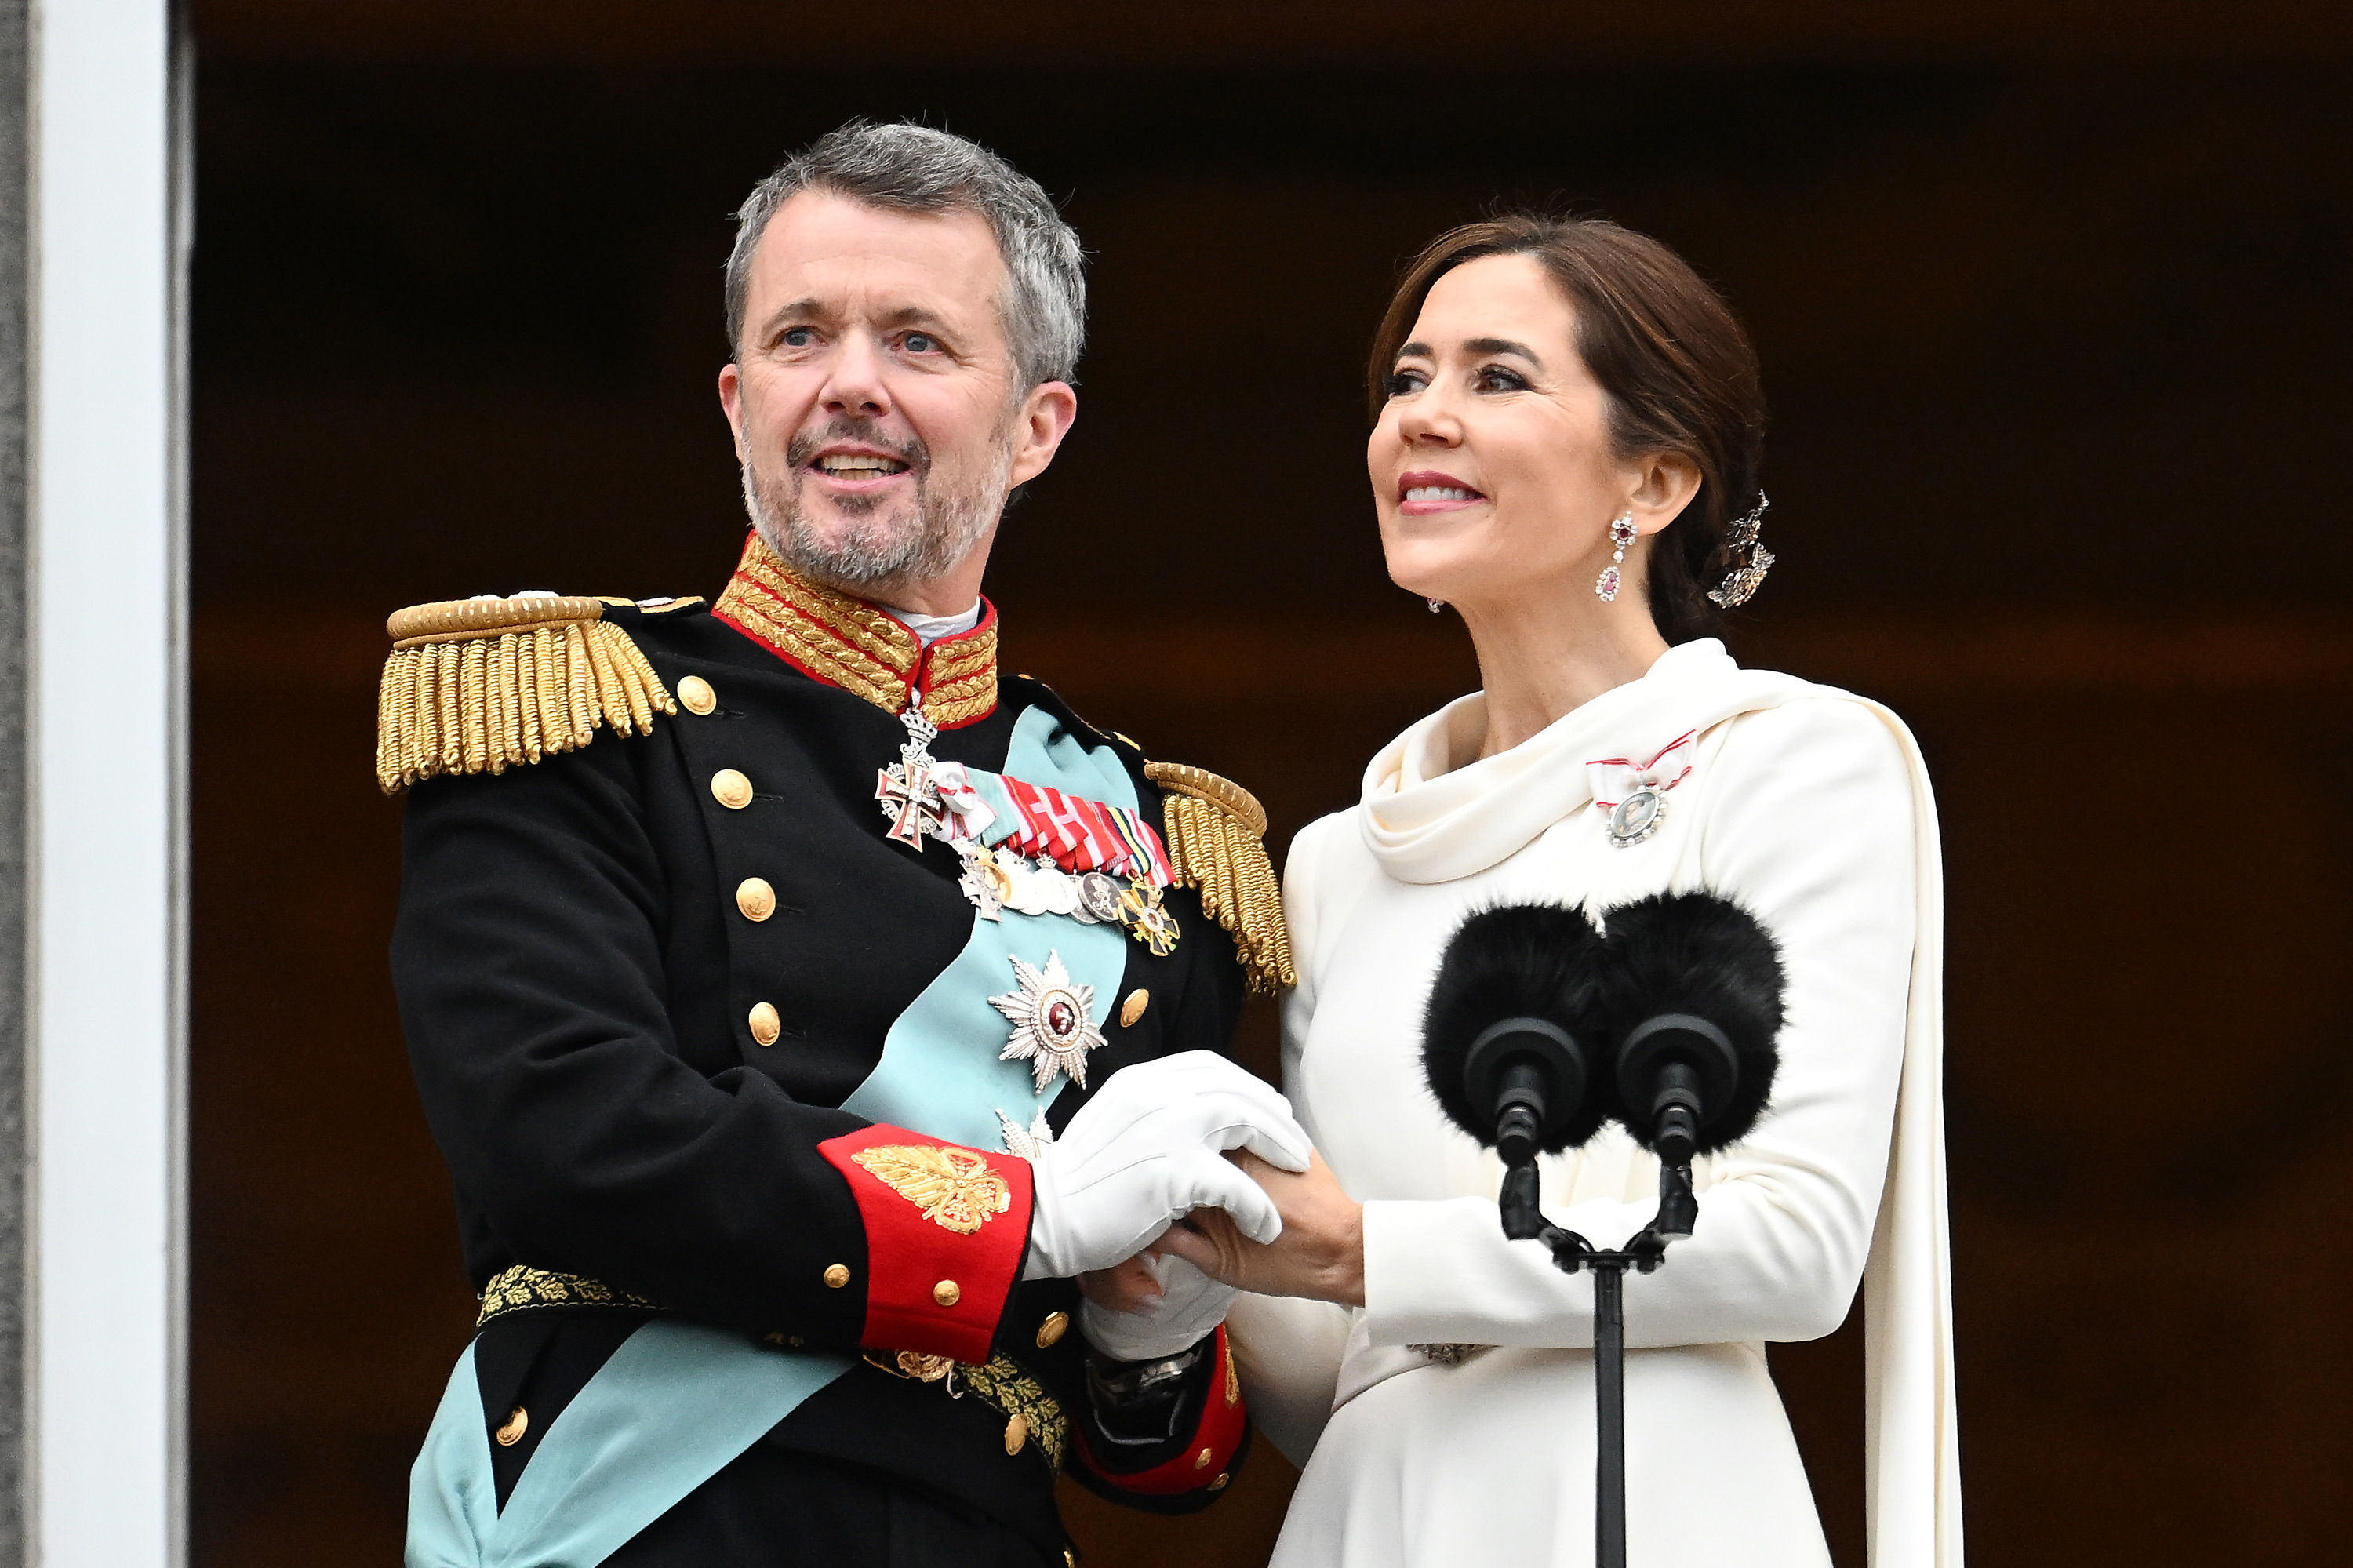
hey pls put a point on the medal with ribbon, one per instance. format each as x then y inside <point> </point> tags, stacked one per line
<point>1029,848</point>
<point>1634,794</point>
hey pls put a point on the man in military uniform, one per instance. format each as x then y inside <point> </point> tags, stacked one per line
<point>797,1042</point>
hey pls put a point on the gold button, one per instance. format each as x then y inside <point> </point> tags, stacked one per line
<point>1016,1431</point>
<point>696,693</point>
<point>731,788</point>
<point>1201,1459</point>
<point>1070,1558</point>
<point>1219,1484</point>
<point>947,1292</point>
<point>1051,1331</point>
<point>836,1275</point>
<point>1133,1008</point>
<point>756,898</point>
<point>518,1423</point>
<point>766,1024</point>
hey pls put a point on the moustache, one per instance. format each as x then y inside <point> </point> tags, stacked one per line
<point>803,447</point>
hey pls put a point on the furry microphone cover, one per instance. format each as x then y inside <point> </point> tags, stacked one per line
<point>1519,960</point>
<point>1701,954</point>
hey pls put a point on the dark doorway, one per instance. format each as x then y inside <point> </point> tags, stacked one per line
<point>2054,320</point>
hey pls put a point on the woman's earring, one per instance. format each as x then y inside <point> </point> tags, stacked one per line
<point>1622,533</point>
<point>1435,605</point>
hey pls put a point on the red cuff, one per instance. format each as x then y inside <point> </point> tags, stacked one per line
<point>1206,1463</point>
<point>946,1229</point>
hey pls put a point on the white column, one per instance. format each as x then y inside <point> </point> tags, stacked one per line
<point>109,835</point>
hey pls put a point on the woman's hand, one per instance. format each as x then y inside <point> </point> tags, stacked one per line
<point>1126,1287</point>
<point>1320,1254</point>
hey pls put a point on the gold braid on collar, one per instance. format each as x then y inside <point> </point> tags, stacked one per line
<point>480,685</point>
<point>849,644</point>
<point>1216,833</point>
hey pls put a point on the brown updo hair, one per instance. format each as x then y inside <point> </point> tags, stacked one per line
<point>1678,367</point>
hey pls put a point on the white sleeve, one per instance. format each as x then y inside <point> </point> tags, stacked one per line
<point>1299,911</point>
<point>1286,1348</point>
<point>1809,828</point>
<point>1308,890</point>
<point>1288,1351</point>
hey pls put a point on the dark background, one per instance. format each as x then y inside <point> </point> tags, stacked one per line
<point>2052,305</point>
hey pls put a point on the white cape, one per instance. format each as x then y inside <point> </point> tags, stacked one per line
<point>1424,821</point>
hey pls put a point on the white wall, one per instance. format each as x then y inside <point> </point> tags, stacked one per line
<point>107,877</point>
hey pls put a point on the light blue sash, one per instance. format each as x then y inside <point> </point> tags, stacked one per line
<point>939,1074</point>
<point>673,1405</point>
<point>679,1401</point>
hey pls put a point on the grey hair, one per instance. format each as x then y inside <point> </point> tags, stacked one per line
<point>914,168</point>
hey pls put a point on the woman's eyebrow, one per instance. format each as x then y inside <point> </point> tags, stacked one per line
<point>1504,345</point>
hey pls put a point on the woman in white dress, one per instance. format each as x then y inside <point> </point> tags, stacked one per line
<point>1569,430</point>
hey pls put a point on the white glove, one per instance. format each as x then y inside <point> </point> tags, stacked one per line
<point>1147,1149</point>
<point>1192,1304</point>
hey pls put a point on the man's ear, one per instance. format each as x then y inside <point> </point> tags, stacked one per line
<point>1045,417</point>
<point>731,400</point>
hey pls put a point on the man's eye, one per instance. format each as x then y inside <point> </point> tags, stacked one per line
<point>922,343</point>
<point>1397,382</point>
<point>798,337</point>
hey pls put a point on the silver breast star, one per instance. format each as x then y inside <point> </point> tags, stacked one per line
<point>1053,1028</point>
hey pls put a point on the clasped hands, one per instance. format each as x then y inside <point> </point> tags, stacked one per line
<point>1320,1253</point>
<point>1180,1181</point>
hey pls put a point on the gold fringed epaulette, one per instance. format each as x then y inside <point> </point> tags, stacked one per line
<point>1216,832</point>
<point>479,685</point>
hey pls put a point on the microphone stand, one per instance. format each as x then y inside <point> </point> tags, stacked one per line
<point>1524,1221</point>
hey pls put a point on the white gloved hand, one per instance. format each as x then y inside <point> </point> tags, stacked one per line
<point>1191,1305</point>
<point>1147,1149</point>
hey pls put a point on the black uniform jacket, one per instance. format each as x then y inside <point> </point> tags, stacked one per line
<point>584,966</point>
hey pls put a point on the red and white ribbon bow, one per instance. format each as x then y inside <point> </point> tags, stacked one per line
<point>1615,777</point>
<point>957,794</point>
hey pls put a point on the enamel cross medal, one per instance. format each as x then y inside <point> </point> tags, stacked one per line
<point>921,796</point>
<point>909,794</point>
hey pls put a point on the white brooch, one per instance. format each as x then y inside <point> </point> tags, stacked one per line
<point>1637,816</point>
<point>1052,1029</point>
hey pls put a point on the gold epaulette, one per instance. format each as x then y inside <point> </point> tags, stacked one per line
<point>478,685</point>
<point>1216,832</point>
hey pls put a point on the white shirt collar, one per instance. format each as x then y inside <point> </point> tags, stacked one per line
<point>929,629</point>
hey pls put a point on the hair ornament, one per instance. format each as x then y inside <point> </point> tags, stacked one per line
<point>1742,538</point>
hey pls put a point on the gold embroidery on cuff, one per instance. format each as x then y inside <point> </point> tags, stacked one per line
<point>954,1187</point>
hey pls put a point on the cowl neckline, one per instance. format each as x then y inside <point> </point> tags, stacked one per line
<point>1427,820</point>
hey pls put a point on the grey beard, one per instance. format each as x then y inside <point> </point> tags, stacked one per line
<point>910,544</point>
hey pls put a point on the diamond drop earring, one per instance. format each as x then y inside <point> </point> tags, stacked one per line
<point>1622,533</point>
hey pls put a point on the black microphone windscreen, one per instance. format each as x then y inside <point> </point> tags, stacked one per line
<point>1701,955</point>
<point>1515,960</point>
